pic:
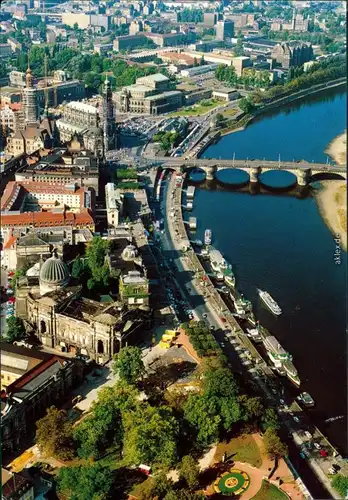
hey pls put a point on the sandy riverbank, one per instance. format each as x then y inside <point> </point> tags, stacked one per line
<point>332,199</point>
<point>337,149</point>
<point>332,203</point>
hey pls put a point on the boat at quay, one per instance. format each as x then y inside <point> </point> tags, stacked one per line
<point>281,359</point>
<point>221,268</point>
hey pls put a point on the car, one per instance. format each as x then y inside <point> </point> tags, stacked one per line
<point>223,320</point>
<point>323,453</point>
<point>212,327</point>
<point>205,315</point>
<point>317,446</point>
<point>332,471</point>
<point>281,401</point>
<point>222,344</point>
<point>11,273</point>
<point>308,434</point>
<point>296,419</point>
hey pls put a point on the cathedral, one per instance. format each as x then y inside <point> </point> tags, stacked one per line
<point>32,133</point>
<point>95,129</point>
<point>52,304</point>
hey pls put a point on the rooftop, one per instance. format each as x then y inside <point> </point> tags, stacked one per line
<point>157,77</point>
<point>47,219</point>
<point>163,95</point>
<point>82,106</point>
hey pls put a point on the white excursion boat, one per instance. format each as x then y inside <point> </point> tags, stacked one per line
<point>270,302</point>
<point>207,236</point>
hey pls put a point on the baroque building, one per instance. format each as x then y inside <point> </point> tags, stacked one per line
<point>53,305</point>
<point>32,133</point>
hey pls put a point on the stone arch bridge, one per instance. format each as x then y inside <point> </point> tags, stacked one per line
<point>305,172</point>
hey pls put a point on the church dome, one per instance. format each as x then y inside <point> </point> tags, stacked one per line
<point>129,253</point>
<point>54,274</point>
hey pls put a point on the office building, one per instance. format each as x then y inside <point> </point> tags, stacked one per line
<point>135,27</point>
<point>289,54</point>
<point>224,30</point>
<point>240,63</point>
<point>210,19</point>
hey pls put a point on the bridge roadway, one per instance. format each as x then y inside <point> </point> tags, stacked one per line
<point>247,164</point>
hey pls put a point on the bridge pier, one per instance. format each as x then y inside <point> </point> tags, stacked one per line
<point>210,173</point>
<point>302,177</point>
<point>254,174</point>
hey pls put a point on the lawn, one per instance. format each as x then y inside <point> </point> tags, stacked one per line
<point>142,487</point>
<point>240,449</point>
<point>269,492</point>
<point>197,109</point>
<point>230,112</point>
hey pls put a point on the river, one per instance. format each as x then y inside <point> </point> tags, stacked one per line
<point>281,244</point>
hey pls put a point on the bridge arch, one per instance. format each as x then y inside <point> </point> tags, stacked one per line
<point>326,176</point>
<point>277,179</point>
<point>195,174</point>
<point>232,176</point>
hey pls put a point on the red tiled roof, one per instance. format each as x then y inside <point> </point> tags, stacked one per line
<point>47,219</point>
<point>10,242</point>
<point>8,194</point>
<point>31,374</point>
<point>37,188</point>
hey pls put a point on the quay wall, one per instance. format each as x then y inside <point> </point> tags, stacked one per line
<point>340,82</point>
<point>221,308</point>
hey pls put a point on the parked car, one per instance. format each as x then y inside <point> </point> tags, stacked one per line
<point>296,419</point>
<point>317,446</point>
<point>323,453</point>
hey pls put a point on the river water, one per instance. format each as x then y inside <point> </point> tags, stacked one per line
<point>280,243</point>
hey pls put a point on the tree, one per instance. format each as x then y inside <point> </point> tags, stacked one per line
<point>252,408</point>
<point>246,105</point>
<point>340,483</point>
<point>128,364</point>
<point>85,482</point>
<point>15,329</point>
<point>80,269</point>
<point>219,120</point>
<point>201,413</point>
<point>270,419</point>
<point>95,255</point>
<point>274,447</point>
<point>150,436</point>
<point>54,434</point>
<point>189,471</point>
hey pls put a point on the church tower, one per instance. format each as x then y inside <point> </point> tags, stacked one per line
<point>108,118</point>
<point>30,108</point>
